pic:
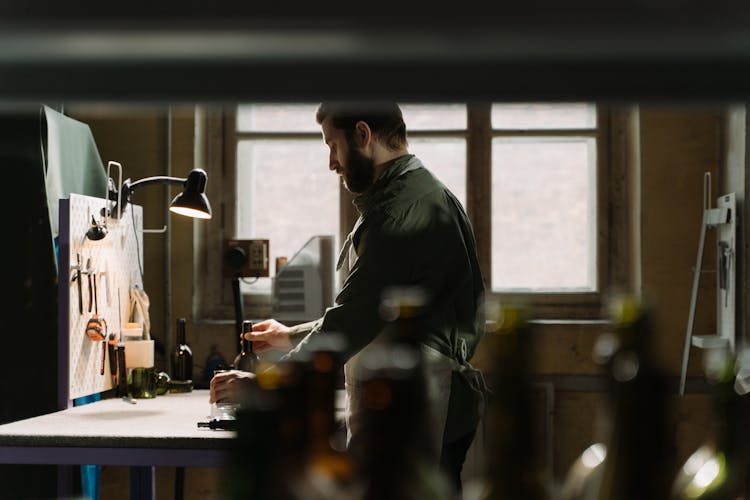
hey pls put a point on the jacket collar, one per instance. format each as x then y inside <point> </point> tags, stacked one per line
<point>378,191</point>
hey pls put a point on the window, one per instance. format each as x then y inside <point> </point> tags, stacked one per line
<point>529,175</point>
<point>544,217</point>
<point>285,192</point>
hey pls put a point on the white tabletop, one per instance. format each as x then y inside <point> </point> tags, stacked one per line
<point>159,431</point>
<point>170,418</point>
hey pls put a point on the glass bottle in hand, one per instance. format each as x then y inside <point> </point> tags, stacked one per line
<point>182,357</point>
<point>246,360</point>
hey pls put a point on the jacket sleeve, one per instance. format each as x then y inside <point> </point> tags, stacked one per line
<point>422,247</point>
<point>382,261</point>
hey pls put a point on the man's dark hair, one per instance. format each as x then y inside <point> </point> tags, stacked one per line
<point>385,120</point>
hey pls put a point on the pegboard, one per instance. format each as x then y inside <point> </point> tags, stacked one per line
<point>109,268</point>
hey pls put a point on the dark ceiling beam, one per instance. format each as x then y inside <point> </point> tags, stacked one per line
<point>228,51</point>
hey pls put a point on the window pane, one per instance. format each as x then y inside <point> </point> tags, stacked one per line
<point>434,116</point>
<point>301,117</point>
<point>277,118</point>
<point>446,159</point>
<point>286,194</point>
<point>543,214</point>
<point>537,116</point>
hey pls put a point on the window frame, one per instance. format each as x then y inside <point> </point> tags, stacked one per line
<point>564,304</point>
<point>217,138</point>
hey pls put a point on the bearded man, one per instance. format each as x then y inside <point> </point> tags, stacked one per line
<point>412,232</point>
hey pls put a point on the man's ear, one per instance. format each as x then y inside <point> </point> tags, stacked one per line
<point>362,134</point>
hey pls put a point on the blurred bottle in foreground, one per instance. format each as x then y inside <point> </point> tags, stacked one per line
<point>719,468</point>
<point>267,455</point>
<point>329,468</point>
<point>513,460</point>
<point>392,429</point>
<point>635,459</point>
<point>393,455</point>
<point>286,423</point>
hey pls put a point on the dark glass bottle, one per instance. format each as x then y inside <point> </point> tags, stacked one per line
<point>393,456</point>
<point>182,358</point>
<point>392,441</point>
<point>329,471</point>
<point>638,449</point>
<point>267,458</point>
<point>254,469</point>
<point>246,360</point>
<point>718,469</point>
<point>514,466</point>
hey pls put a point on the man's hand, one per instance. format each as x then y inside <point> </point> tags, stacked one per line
<point>269,334</point>
<point>229,386</point>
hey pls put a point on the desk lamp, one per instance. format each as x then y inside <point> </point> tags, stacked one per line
<point>191,202</point>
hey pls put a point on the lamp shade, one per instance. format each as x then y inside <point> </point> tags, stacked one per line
<point>193,202</point>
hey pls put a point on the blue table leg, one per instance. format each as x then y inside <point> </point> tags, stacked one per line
<point>90,475</point>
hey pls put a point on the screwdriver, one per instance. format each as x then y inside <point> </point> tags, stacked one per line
<point>227,425</point>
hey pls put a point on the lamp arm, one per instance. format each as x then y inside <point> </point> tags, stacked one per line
<point>158,179</point>
<point>127,187</point>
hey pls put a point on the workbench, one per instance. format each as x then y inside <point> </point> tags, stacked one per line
<point>162,431</point>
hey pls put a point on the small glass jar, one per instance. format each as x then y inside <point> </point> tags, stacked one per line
<point>223,410</point>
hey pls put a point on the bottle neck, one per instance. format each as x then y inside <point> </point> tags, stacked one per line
<point>247,346</point>
<point>181,332</point>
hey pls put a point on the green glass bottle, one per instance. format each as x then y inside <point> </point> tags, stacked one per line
<point>182,357</point>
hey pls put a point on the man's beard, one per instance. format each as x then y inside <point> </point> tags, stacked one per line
<point>359,173</point>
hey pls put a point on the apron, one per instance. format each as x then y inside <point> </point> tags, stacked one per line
<point>438,372</point>
<point>456,391</point>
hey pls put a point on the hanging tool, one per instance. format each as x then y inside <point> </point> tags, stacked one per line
<point>92,276</point>
<point>104,285</point>
<point>96,232</point>
<point>96,328</point>
<point>725,265</point>
<point>104,355</point>
<point>122,384</point>
<point>112,353</point>
<point>77,278</point>
<point>88,277</point>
